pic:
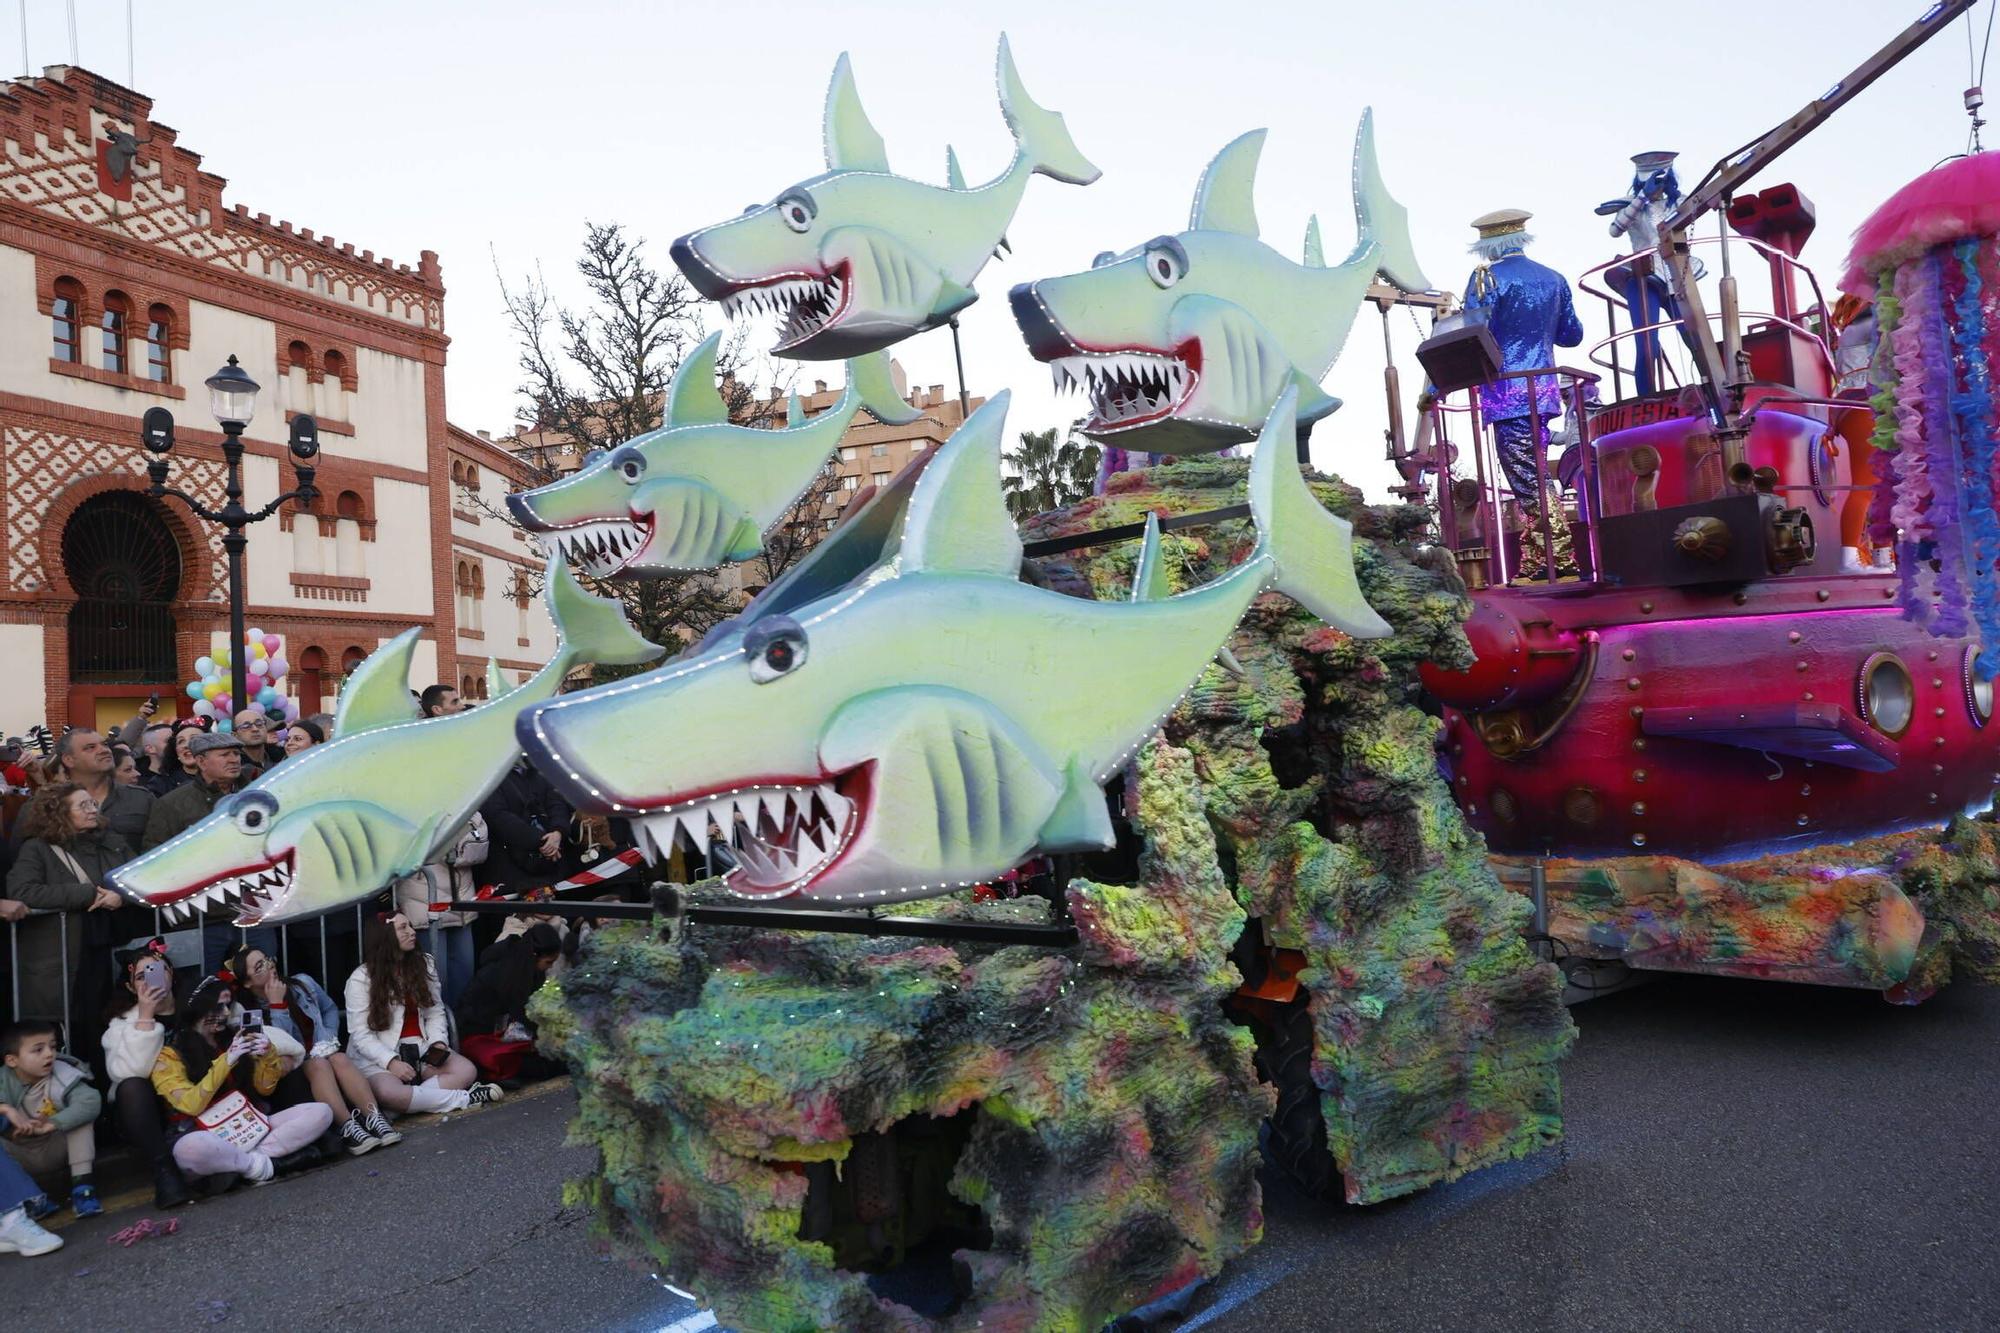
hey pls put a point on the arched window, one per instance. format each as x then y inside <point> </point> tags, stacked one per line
<point>351,659</point>
<point>64,313</point>
<point>125,564</point>
<point>471,478</point>
<point>298,356</point>
<point>311,671</point>
<point>520,593</point>
<point>334,364</point>
<point>347,536</point>
<point>159,345</point>
<point>112,322</point>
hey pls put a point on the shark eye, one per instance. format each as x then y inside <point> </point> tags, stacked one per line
<point>1166,261</point>
<point>628,463</point>
<point>775,647</point>
<point>253,811</point>
<point>797,209</point>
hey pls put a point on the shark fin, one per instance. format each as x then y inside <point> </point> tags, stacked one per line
<point>496,681</point>
<point>693,399</point>
<point>1314,402</point>
<point>745,541</point>
<point>851,141</point>
<point>954,178</point>
<point>378,694</point>
<point>1041,136</point>
<point>1081,821</point>
<point>1379,219</point>
<point>1311,551</point>
<point>871,382</point>
<point>1224,198</point>
<point>952,297</point>
<point>1315,255</point>
<point>591,629</point>
<point>1227,661</point>
<point>795,413</point>
<point>1149,575</point>
<point>957,519</point>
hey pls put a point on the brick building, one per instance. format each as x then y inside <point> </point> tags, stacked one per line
<point>125,281</point>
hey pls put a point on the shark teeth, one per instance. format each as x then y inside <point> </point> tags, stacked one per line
<point>254,893</point>
<point>1124,387</point>
<point>599,547</point>
<point>802,306</point>
<point>782,836</point>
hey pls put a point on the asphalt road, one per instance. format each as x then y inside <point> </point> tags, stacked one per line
<point>1739,1156</point>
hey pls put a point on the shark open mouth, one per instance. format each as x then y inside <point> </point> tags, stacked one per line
<point>783,834</point>
<point>1128,388</point>
<point>803,306</point>
<point>599,547</point>
<point>254,891</point>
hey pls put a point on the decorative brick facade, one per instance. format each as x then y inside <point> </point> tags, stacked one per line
<point>161,248</point>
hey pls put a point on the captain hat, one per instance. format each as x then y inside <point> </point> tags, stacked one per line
<point>1502,222</point>
<point>1655,160</point>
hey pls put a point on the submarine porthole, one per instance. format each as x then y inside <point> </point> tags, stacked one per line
<point>1887,694</point>
<point>1978,692</point>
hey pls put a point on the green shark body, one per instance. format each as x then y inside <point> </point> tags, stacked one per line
<point>337,822</point>
<point>699,492</point>
<point>1182,344</point>
<point>929,725</point>
<point>857,258</point>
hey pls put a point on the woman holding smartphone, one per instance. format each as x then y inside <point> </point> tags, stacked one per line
<point>298,1006</point>
<point>140,1019</point>
<point>396,1032</point>
<point>206,1061</point>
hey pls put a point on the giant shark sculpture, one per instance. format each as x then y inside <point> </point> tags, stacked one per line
<point>699,492</point>
<point>1183,343</point>
<point>925,727</point>
<point>337,822</point>
<point>857,258</point>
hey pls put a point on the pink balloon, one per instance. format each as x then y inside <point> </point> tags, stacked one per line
<point>272,644</point>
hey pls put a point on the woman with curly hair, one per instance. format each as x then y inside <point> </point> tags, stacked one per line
<point>396,1033</point>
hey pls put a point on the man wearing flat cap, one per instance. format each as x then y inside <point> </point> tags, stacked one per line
<point>218,766</point>
<point>1529,313</point>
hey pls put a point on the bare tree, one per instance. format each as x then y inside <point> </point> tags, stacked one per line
<point>800,527</point>
<point>595,376</point>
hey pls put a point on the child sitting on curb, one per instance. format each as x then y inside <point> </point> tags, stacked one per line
<point>50,1110</point>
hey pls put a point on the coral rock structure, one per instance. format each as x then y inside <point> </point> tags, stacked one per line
<point>1085,1122</point>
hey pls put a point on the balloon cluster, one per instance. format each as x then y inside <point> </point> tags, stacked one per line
<point>264,666</point>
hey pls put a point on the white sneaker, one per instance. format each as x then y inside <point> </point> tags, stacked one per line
<point>261,1171</point>
<point>20,1234</point>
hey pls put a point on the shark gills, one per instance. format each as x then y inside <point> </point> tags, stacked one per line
<point>341,821</point>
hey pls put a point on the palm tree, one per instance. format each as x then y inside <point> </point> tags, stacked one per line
<point>1041,475</point>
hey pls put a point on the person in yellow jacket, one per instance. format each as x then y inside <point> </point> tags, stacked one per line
<point>203,1063</point>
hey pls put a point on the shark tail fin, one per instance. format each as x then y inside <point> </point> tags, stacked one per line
<point>1041,134</point>
<point>1311,551</point>
<point>870,384</point>
<point>593,629</point>
<point>1379,219</point>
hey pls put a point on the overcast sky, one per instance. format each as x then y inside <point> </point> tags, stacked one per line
<point>495,129</point>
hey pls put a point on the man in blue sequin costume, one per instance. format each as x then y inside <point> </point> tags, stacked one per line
<point>1529,312</point>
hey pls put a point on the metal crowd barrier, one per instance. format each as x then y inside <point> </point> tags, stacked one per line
<point>328,977</point>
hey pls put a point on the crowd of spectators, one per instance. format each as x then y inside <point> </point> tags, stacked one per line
<point>243,1066</point>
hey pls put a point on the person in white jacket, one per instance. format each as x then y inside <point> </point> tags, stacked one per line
<point>142,1018</point>
<point>396,1027</point>
<point>426,897</point>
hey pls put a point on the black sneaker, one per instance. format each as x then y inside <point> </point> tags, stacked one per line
<point>481,1094</point>
<point>357,1139</point>
<point>378,1125</point>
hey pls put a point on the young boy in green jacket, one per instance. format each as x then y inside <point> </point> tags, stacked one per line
<point>49,1110</point>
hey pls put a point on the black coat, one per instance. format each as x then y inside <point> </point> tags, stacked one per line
<point>522,810</point>
<point>500,989</point>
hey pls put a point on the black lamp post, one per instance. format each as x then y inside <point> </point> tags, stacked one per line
<point>232,397</point>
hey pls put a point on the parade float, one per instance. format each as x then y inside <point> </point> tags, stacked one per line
<point>1721,737</point>
<point>1072,876</point>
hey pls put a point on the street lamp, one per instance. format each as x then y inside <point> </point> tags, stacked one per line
<point>232,397</point>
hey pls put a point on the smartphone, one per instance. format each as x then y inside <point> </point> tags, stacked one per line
<point>154,698</point>
<point>155,972</point>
